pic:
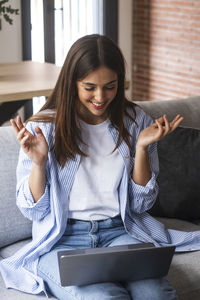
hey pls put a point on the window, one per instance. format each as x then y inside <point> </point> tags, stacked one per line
<point>72,19</point>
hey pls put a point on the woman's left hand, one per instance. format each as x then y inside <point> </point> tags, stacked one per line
<point>158,130</point>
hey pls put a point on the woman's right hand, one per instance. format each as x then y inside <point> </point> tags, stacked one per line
<point>35,147</point>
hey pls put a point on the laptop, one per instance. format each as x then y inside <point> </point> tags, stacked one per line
<point>111,264</point>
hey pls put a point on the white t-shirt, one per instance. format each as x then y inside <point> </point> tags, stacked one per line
<point>94,194</point>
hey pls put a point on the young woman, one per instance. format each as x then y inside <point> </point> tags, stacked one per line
<point>87,175</point>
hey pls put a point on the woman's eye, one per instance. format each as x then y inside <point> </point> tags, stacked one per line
<point>105,88</point>
<point>109,88</point>
<point>89,89</point>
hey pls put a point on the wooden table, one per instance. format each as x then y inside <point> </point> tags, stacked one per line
<point>27,79</point>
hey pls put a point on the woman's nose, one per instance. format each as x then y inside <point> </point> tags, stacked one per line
<point>99,95</point>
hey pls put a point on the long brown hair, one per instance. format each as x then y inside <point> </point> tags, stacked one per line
<point>86,55</point>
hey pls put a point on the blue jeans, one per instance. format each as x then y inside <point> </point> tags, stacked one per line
<point>90,234</point>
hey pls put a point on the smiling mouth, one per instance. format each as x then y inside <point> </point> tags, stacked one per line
<point>98,105</point>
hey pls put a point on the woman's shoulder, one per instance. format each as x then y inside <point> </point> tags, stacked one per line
<point>133,110</point>
<point>43,119</point>
<point>141,118</point>
<point>46,116</point>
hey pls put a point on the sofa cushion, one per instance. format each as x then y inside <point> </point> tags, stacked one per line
<point>184,272</point>
<point>189,108</point>
<point>10,294</point>
<point>178,224</point>
<point>13,248</point>
<point>179,177</point>
<point>13,225</point>
<point>179,158</point>
<point>6,294</point>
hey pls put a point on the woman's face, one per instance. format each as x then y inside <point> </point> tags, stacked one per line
<point>95,92</point>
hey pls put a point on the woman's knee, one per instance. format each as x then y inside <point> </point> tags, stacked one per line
<point>152,289</point>
<point>49,272</point>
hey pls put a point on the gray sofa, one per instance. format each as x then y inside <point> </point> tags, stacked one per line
<point>177,206</point>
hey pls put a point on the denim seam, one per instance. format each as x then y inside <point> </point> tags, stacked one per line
<point>50,277</point>
<point>91,235</point>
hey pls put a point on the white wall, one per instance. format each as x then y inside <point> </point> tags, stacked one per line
<point>125,36</point>
<point>10,36</point>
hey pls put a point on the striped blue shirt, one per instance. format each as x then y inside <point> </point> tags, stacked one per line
<point>50,213</point>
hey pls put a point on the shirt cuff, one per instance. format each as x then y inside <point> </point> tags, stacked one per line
<point>143,197</point>
<point>30,209</point>
<point>148,188</point>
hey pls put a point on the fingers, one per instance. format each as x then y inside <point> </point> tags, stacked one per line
<point>21,134</point>
<point>176,122</point>
<point>18,125</point>
<point>23,140</point>
<point>167,125</point>
<point>19,122</point>
<point>160,129</point>
<point>20,130</point>
<point>14,125</point>
<point>163,125</point>
<point>161,119</point>
<point>170,126</point>
<point>38,131</point>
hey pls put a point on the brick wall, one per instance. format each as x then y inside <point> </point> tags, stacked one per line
<point>166,49</point>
